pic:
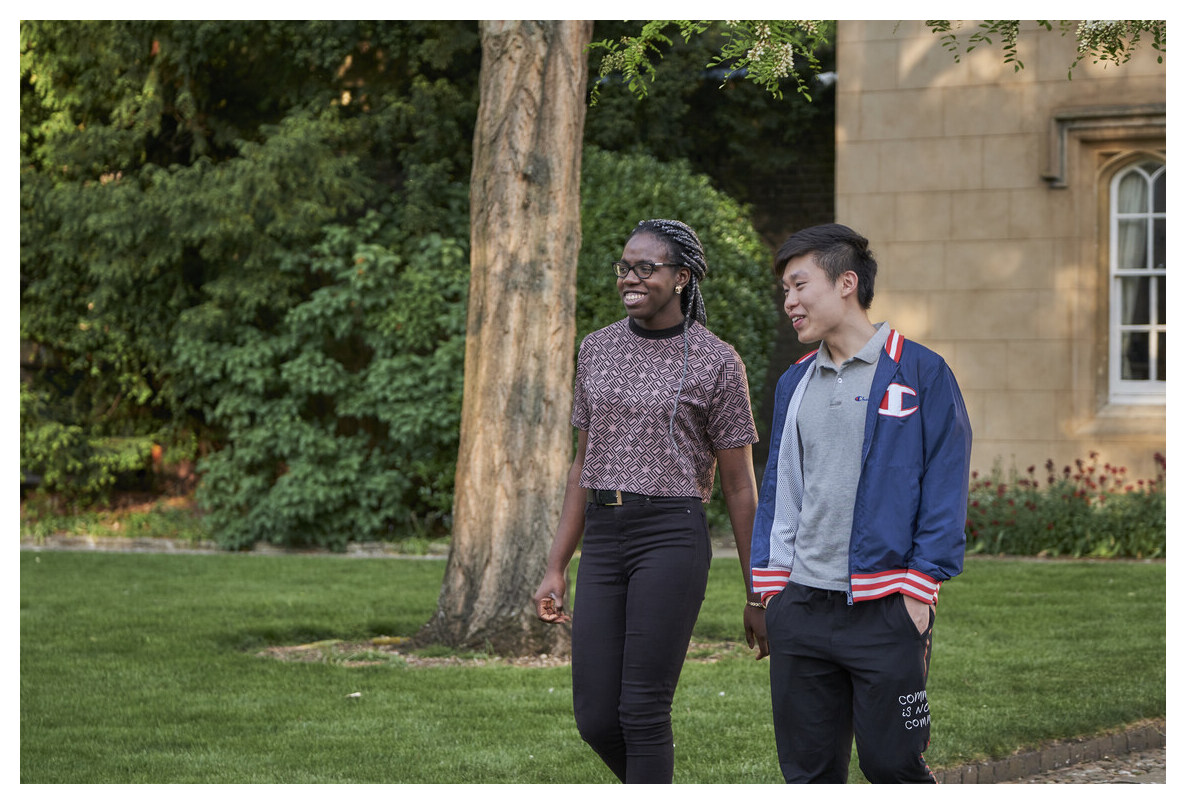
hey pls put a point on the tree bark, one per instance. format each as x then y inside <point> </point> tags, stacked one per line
<point>516,437</point>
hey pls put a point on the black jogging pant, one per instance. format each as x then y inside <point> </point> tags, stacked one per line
<point>839,671</point>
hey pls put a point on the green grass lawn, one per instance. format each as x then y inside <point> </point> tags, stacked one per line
<point>144,668</point>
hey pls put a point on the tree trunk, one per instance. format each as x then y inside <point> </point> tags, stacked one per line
<point>516,438</point>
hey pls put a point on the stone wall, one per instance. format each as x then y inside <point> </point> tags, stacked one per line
<point>985,218</point>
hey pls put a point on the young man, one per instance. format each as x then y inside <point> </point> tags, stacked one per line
<point>860,518</point>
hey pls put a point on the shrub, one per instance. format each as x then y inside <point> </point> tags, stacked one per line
<point>342,422</point>
<point>59,455</point>
<point>1086,510</point>
<point>176,176</point>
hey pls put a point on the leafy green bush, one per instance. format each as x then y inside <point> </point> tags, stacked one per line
<point>342,422</point>
<point>174,175</point>
<point>66,456</point>
<point>1087,510</point>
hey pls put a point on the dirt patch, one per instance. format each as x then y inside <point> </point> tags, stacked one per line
<point>398,650</point>
<point>394,650</point>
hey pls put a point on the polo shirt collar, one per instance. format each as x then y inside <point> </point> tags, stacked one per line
<point>869,353</point>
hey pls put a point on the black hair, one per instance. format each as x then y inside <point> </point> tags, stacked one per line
<point>836,249</point>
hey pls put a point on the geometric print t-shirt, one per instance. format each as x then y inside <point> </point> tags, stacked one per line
<point>625,390</point>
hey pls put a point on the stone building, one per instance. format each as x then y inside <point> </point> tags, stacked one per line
<point>1019,221</point>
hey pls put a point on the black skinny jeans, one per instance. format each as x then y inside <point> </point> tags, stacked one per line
<point>640,583</point>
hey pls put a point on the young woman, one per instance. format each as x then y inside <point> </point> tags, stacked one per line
<point>659,403</point>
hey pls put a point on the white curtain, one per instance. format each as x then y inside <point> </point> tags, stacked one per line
<point>1132,252</point>
<point>1132,195</point>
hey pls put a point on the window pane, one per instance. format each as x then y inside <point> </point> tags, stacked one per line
<point>1137,297</point>
<point>1134,356</point>
<point>1134,300</point>
<point>1130,251</point>
<point>1133,193</point>
<point>1159,243</point>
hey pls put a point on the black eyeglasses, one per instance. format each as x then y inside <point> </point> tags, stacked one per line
<point>642,270</point>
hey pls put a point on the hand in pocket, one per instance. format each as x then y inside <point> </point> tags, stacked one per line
<point>919,612</point>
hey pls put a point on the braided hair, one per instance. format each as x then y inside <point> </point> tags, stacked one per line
<point>684,249</point>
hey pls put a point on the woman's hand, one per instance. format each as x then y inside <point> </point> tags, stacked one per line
<point>549,599</point>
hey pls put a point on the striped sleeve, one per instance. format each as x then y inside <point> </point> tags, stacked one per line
<point>880,584</point>
<point>768,582</point>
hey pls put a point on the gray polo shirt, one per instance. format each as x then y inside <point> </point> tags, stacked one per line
<point>832,432</point>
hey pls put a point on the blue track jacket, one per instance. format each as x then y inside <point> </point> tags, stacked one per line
<point>912,498</point>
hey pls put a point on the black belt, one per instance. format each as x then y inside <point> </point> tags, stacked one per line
<point>615,497</point>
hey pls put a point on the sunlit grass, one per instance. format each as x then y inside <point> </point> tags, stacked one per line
<point>152,668</point>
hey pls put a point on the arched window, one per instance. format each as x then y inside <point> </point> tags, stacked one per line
<point>1136,337</point>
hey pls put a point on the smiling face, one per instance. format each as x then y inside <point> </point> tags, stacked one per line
<point>652,302</point>
<point>818,307</point>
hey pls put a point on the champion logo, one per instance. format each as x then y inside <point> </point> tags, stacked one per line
<point>892,404</point>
